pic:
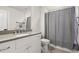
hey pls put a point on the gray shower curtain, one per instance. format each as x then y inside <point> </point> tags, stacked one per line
<point>61,27</point>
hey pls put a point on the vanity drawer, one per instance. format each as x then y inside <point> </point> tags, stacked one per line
<point>22,42</point>
<point>23,45</point>
<point>23,49</point>
<point>7,47</point>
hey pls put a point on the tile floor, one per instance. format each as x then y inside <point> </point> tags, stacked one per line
<point>55,50</point>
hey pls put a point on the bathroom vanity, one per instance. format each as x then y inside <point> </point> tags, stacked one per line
<point>20,43</point>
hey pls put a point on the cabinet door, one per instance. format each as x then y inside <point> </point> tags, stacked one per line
<point>22,44</point>
<point>7,47</point>
<point>35,44</point>
<point>31,44</point>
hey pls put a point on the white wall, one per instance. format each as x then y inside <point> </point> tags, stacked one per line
<point>77,11</point>
<point>46,9</point>
<point>16,15</point>
<point>34,12</point>
<point>36,19</point>
<point>28,12</point>
<point>77,15</point>
<point>13,16</point>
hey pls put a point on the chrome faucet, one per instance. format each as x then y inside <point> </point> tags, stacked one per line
<point>20,27</point>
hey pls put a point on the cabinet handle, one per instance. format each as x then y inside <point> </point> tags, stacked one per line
<point>28,47</point>
<point>5,49</point>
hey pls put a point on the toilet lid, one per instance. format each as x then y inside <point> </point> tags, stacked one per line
<point>45,40</point>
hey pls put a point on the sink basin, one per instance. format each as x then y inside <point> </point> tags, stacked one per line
<point>18,35</point>
<point>23,34</point>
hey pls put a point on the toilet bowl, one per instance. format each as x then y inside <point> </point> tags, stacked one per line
<point>45,43</point>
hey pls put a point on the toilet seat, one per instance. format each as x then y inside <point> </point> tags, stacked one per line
<point>45,41</point>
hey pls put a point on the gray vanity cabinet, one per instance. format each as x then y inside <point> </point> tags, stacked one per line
<point>30,44</point>
<point>7,47</point>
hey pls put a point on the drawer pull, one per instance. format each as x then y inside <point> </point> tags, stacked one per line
<point>5,49</point>
<point>28,47</point>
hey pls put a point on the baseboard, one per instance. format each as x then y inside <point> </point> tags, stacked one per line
<point>64,49</point>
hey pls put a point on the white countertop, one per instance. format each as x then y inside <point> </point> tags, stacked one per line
<point>15,36</point>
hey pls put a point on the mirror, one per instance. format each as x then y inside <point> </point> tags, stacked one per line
<point>3,20</point>
<point>9,15</point>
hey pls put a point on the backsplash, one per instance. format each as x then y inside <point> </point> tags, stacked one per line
<point>7,32</point>
<point>11,32</point>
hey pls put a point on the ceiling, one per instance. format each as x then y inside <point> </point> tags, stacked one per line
<point>22,8</point>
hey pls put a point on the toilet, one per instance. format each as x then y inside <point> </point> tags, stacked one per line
<point>45,43</point>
